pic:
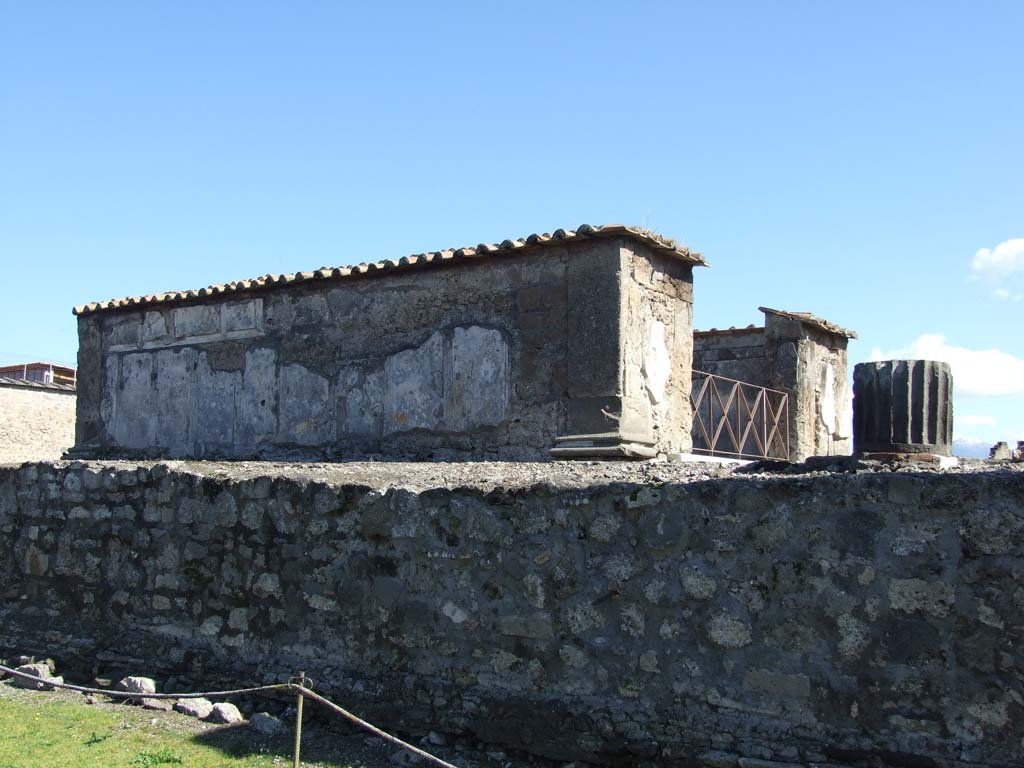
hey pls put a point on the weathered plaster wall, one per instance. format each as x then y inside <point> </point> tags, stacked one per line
<point>657,350</point>
<point>35,424</point>
<point>825,619</point>
<point>481,359</point>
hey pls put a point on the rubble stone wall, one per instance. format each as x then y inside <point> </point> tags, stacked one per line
<point>827,619</point>
<point>35,424</point>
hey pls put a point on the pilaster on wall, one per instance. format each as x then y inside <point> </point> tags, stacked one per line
<point>630,356</point>
<point>88,421</point>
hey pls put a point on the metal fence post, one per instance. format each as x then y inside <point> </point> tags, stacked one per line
<point>298,718</point>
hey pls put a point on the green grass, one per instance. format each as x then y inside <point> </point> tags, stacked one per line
<point>52,733</point>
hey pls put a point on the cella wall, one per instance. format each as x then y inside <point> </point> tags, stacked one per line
<point>472,354</point>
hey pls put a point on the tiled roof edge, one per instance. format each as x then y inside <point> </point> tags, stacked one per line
<point>729,331</point>
<point>812,320</point>
<point>651,239</point>
<point>7,381</point>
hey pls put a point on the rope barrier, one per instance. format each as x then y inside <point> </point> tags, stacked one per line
<point>374,729</point>
<point>300,685</point>
<point>130,695</point>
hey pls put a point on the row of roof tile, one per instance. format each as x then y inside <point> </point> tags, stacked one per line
<point>651,239</point>
<point>804,317</point>
<point>813,320</point>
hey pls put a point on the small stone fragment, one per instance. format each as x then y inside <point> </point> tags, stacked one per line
<point>404,758</point>
<point>39,669</point>
<point>266,723</point>
<point>137,685</point>
<point>728,631</point>
<point>158,705</point>
<point>200,708</point>
<point>224,713</point>
<point>436,739</point>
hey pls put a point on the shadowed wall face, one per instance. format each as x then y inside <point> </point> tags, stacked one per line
<point>490,358</point>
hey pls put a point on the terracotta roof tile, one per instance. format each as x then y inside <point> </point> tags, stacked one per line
<point>731,330</point>
<point>812,320</point>
<point>651,239</point>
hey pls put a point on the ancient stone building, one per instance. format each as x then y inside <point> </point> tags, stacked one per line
<point>797,353</point>
<point>577,342</point>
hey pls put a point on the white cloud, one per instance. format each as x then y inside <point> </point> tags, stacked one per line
<point>975,371</point>
<point>1006,295</point>
<point>1000,267</point>
<point>1001,261</point>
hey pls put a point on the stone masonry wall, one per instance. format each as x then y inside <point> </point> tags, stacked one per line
<point>794,357</point>
<point>873,618</point>
<point>489,358</point>
<point>735,354</point>
<point>35,424</point>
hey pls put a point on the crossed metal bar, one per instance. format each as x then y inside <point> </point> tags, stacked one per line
<point>738,419</point>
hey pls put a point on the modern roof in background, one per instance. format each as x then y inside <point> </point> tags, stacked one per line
<point>40,372</point>
<point>586,231</point>
<point>7,381</point>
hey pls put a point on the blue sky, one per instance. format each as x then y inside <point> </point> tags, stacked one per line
<point>853,160</point>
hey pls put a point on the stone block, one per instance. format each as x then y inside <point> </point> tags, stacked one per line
<point>175,400</point>
<point>361,402</point>
<point>135,423</point>
<point>266,724</point>
<point>257,401</point>
<point>241,315</point>
<point>307,407</point>
<point>154,327</point>
<point>134,684</point>
<point>477,381</point>
<point>124,331</point>
<point>196,320</point>
<point>414,387</point>
<point>200,708</point>
<point>216,393</point>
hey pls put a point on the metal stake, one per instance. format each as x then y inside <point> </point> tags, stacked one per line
<point>298,719</point>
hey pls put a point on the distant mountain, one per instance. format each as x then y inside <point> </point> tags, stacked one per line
<point>971,448</point>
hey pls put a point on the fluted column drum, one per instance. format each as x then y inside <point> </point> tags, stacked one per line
<point>903,406</point>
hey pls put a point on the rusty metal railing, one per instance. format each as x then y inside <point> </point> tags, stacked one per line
<point>739,420</point>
